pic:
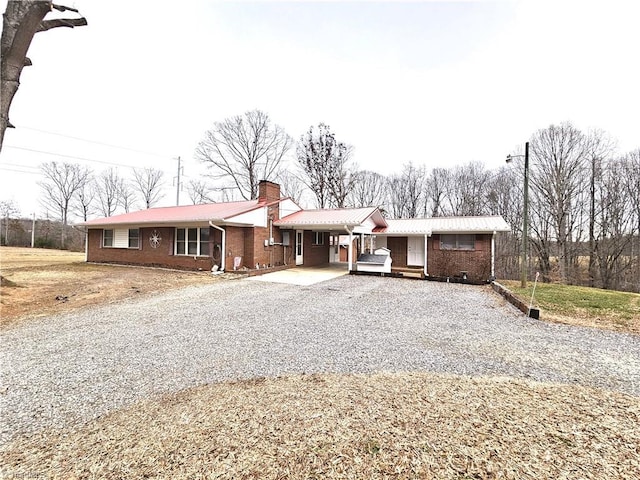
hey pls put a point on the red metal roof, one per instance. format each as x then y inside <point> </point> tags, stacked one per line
<point>183,214</point>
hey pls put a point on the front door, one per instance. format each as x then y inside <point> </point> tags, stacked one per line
<point>415,251</point>
<point>299,242</point>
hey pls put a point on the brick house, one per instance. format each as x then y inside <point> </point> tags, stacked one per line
<point>275,232</point>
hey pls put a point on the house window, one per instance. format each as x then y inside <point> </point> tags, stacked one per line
<point>107,238</point>
<point>457,242</point>
<point>134,238</point>
<point>192,241</point>
<point>317,238</point>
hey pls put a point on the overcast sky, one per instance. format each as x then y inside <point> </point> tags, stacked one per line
<point>435,83</point>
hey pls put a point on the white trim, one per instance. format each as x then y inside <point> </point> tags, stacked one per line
<point>426,245</point>
<point>223,251</point>
<point>493,255</point>
<point>186,242</point>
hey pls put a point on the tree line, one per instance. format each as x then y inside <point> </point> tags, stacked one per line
<point>584,207</point>
<point>584,198</point>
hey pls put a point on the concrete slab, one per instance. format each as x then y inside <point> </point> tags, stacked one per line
<point>303,275</point>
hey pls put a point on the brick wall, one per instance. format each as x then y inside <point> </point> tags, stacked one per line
<point>146,255</point>
<point>450,263</point>
<point>235,246</point>
<point>315,255</point>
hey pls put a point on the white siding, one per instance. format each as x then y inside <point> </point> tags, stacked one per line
<point>255,218</point>
<point>121,238</point>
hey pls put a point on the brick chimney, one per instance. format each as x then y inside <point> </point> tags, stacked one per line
<point>268,191</point>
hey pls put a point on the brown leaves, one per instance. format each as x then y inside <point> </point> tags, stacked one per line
<point>353,426</point>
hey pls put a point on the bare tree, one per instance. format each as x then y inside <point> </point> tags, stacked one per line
<point>83,204</point>
<point>342,177</point>
<point>8,209</point>
<point>21,21</point>
<point>291,186</point>
<point>126,195</point>
<point>598,148</point>
<point>148,182</point>
<point>244,149</point>
<point>631,169</point>
<point>326,166</point>
<point>436,191</point>
<point>108,190</point>
<point>199,192</point>
<point>614,225</point>
<point>407,192</point>
<point>370,190</point>
<point>558,177</point>
<point>61,183</point>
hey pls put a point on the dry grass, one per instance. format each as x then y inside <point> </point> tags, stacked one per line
<point>38,282</point>
<point>376,426</point>
<point>322,426</point>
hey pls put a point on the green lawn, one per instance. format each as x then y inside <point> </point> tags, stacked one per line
<point>605,306</point>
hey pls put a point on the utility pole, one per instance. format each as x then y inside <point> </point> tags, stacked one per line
<point>525,222</point>
<point>180,168</point>
<point>525,216</point>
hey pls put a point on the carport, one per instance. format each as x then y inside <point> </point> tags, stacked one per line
<point>316,224</point>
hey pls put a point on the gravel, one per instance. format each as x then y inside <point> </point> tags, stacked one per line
<point>64,370</point>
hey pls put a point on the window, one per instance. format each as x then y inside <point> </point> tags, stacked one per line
<point>134,238</point>
<point>317,238</point>
<point>457,242</point>
<point>107,238</point>
<point>192,241</point>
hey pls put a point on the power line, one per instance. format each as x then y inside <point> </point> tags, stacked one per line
<point>95,142</point>
<point>17,165</point>
<point>18,171</point>
<point>69,156</point>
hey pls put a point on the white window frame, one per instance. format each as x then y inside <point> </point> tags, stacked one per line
<point>104,237</point>
<point>317,236</point>
<point>198,241</point>
<point>118,236</point>
<point>136,238</point>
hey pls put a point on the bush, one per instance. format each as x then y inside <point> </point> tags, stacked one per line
<point>44,243</point>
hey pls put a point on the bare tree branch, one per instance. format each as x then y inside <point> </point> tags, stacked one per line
<point>21,21</point>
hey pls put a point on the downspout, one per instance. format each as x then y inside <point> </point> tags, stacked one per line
<point>493,255</point>
<point>223,252</point>
<point>350,253</point>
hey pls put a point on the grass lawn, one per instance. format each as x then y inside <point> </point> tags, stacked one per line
<point>609,309</point>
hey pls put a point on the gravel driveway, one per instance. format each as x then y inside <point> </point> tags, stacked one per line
<point>68,369</point>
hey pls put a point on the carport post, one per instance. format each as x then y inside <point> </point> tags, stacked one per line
<point>425,254</point>
<point>493,255</point>
<point>350,252</point>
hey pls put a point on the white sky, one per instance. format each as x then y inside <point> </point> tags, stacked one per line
<point>436,83</point>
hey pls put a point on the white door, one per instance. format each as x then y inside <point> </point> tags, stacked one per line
<point>299,242</point>
<point>415,251</point>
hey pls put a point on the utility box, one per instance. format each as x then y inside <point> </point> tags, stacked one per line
<point>286,238</point>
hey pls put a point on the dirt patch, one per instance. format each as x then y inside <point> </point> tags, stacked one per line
<point>352,426</point>
<point>42,282</point>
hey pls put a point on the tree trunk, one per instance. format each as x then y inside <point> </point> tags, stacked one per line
<point>21,21</point>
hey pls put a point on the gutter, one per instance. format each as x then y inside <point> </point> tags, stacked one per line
<point>223,252</point>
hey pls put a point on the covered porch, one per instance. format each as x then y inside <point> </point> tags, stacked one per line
<point>317,236</point>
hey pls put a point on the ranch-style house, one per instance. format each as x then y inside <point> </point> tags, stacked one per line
<point>273,232</point>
